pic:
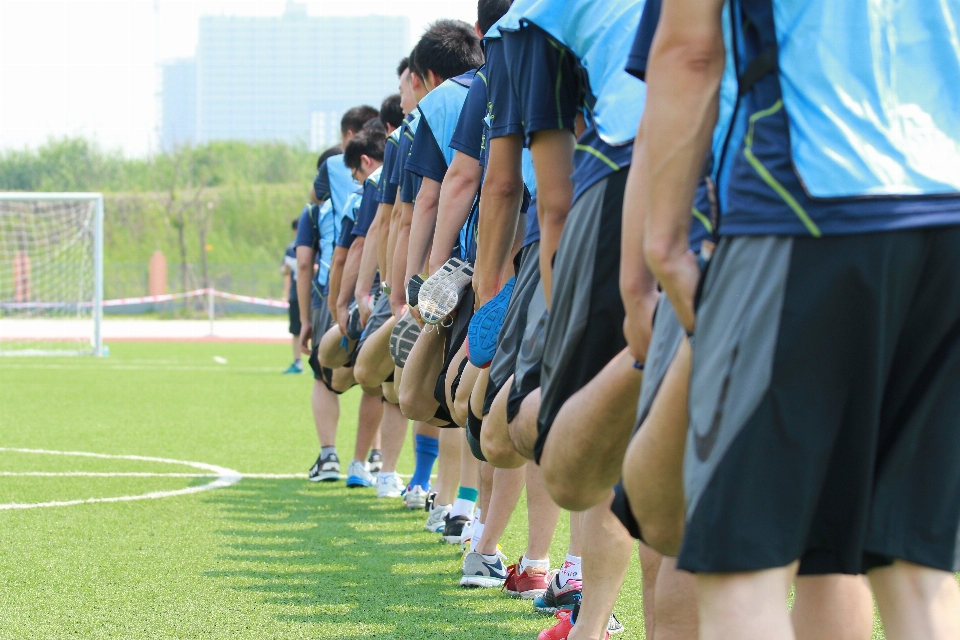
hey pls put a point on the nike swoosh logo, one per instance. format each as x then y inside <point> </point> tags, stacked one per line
<point>704,444</point>
<point>494,570</point>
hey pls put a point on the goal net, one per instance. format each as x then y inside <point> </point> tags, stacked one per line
<point>51,273</point>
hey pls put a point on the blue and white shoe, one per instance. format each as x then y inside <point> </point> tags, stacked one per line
<point>296,367</point>
<point>485,327</point>
<point>358,475</point>
<point>479,572</point>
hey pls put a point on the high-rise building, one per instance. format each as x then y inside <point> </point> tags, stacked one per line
<point>286,78</point>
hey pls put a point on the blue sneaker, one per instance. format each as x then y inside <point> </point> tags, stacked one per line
<point>485,327</point>
<point>296,367</point>
<point>359,476</point>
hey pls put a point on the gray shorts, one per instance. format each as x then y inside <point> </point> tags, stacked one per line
<point>666,338</point>
<point>321,320</point>
<point>379,314</point>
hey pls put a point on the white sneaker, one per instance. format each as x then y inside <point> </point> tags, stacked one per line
<point>358,475</point>
<point>389,485</point>
<point>415,498</point>
<point>441,292</point>
<point>437,518</point>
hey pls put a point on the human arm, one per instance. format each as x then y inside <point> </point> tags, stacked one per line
<point>683,82</point>
<point>336,272</point>
<point>422,226</point>
<point>348,281</point>
<point>368,266</point>
<point>398,297</point>
<point>500,202</point>
<point>457,193</point>
<point>305,260</point>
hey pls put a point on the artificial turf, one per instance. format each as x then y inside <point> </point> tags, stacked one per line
<point>263,558</point>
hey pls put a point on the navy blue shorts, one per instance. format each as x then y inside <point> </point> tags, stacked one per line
<point>547,80</point>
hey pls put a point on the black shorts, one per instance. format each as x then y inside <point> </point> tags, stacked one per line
<point>322,320</point>
<point>293,314</point>
<point>824,404</point>
<point>585,330</point>
<point>456,336</point>
<point>546,77</point>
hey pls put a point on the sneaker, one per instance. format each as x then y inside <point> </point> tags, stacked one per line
<point>485,327</point>
<point>354,330</point>
<point>375,462</point>
<point>441,292</point>
<point>528,585</point>
<point>454,528</point>
<point>415,498</point>
<point>413,291</point>
<point>614,626</point>
<point>561,630</point>
<point>557,597</point>
<point>431,501</point>
<point>325,469</point>
<point>358,475</point>
<point>437,519</point>
<point>477,572</point>
<point>389,485</point>
<point>296,367</point>
<point>402,339</point>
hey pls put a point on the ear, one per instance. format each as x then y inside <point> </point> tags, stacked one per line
<point>476,28</point>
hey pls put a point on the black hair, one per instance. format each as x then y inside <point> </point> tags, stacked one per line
<point>489,11</point>
<point>390,111</point>
<point>375,124</point>
<point>448,48</point>
<point>332,151</point>
<point>354,119</point>
<point>295,224</point>
<point>365,143</point>
<point>403,66</point>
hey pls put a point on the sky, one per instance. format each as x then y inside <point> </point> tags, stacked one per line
<point>89,67</point>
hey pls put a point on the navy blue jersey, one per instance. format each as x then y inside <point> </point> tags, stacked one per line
<point>426,158</point>
<point>504,108</point>
<point>368,209</point>
<point>411,185</point>
<point>346,234</point>
<point>594,160</point>
<point>640,52</point>
<point>387,192</point>
<point>468,136</point>
<point>404,138</point>
<point>290,260</point>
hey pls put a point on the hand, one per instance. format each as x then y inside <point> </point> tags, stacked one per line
<point>398,302</point>
<point>638,324</point>
<point>363,304</point>
<point>416,316</point>
<point>679,276</point>
<point>343,315</point>
<point>306,332</point>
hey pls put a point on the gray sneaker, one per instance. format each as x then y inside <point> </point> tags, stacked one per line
<point>440,294</point>
<point>477,572</point>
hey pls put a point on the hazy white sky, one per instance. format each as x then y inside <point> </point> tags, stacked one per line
<point>88,67</point>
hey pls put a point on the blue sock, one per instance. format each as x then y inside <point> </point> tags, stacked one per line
<point>427,450</point>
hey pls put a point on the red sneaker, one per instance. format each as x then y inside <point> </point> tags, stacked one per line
<point>532,583</point>
<point>510,584</point>
<point>561,630</point>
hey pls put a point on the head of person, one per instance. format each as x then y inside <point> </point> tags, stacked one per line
<point>375,125</point>
<point>294,225</point>
<point>446,49</point>
<point>488,12</point>
<point>353,120</point>
<point>332,151</point>
<point>391,114</point>
<point>407,100</point>
<point>364,153</point>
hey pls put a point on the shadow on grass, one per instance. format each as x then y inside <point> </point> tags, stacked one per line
<point>355,566</point>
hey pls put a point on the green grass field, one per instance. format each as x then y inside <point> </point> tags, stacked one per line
<point>262,558</point>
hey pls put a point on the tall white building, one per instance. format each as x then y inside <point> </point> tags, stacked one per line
<point>287,78</point>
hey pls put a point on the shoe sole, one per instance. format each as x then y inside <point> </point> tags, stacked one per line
<point>452,539</point>
<point>389,495</point>
<point>481,582</point>
<point>415,506</point>
<point>402,339</point>
<point>445,290</point>
<point>326,477</point>
<point>354,482</point>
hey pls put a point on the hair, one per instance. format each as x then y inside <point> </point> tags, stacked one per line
<point>489,11</point>
<point>390,111</point>
<point>375,125</point>
<point>354,119</point>
<point>448,48</point>
<point>365,143</point>
<point>332,151</point>
<point>403,66</point>
<point>295,224</point>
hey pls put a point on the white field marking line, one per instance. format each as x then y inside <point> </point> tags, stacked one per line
<point>223,478</point>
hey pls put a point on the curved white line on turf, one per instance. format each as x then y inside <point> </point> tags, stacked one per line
<point>223,477</point>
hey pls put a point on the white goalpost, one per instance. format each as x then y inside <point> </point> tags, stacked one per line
<point>51,273</point>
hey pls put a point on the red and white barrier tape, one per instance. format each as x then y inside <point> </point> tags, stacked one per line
<point>166,297</point>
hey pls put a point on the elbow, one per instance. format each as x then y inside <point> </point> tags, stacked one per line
<point>502,186</point>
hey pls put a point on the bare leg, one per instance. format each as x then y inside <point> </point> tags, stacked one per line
<point>676,602</point>
<point>653,466</point>
<point>295,343</point>
<point>650,561</point>
<point>326,413</point>
<point>330,352</point>
<point>374,364</point>
<point>917,602</point>
<point>523,429</point>
<point>606,555</point>
<point>542,515</point>
<point>368,423</point>
<point>832,606</point>
<point>486,488</point>
<point>507,485</point>
<point>448,465</point>
<point>750,605</point>
<point>590,434</point>
<point>420,376</point>
<point>575,548</point>
<point>393,429</point>
<point>495,434</point>
<point>469,467</point>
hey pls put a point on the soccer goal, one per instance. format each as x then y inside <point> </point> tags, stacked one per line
<point>51,273</point>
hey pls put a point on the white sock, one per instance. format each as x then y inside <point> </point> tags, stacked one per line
<point>527,562</point>
<point>462,507</point>
<point>476,534</point>
<point>476,515</point>
<point>571,571</point>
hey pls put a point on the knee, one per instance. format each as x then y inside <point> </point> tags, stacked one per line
<point>496,446</point>
<point>414,406</point>
<point>390,392</point>
<point>568,490</point>
<point>364,373</point>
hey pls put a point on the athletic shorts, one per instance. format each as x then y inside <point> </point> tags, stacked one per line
<point>526,369</point>
<point>824,398</point>
<point>379,314</point>
<point>511,334</point>
<point>322,321</point>
<point>546,77</point>
<point>664,342</point>
<point>456,336</point>
<point>585,331</point>
<point>293,314</point>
